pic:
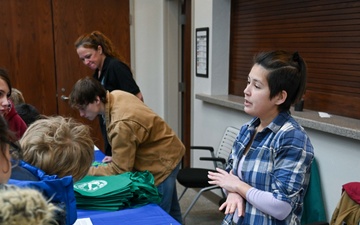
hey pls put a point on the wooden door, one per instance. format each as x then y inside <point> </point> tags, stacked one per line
<point>27,51</point>
<point>186,79</point>
<point>37,47</point>
<point>73,18</point>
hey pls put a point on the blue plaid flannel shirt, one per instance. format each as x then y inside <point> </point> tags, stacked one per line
<point>278,161</point>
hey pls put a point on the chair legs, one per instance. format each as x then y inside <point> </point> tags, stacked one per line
<point>182,193</point>
<point>195,199</point>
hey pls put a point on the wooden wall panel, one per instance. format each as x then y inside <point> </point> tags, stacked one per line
<point>326,34</point>
<point>27,51</point>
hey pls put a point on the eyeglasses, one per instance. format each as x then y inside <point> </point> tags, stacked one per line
<point>82,107</point>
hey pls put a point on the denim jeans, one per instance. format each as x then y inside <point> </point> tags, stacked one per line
<point>169,202</point>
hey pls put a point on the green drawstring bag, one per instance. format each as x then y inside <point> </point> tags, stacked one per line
<point>130,189</point>
<point>144,189</point>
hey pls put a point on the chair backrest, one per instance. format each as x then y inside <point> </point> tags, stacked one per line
<point>313,204</point>
<point>226,144</point>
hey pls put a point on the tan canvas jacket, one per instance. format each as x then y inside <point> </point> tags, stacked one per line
<point>140,139</point>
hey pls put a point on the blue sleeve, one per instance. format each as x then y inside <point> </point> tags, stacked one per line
<point>59,190</point>
<point>293,158</point>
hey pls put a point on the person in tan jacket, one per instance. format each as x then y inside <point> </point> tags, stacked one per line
<point>140,139</point>
<point>347,210</point>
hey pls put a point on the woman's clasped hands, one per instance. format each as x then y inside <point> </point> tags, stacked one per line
<point>230,183</point>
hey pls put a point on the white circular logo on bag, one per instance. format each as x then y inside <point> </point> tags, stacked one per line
<point>91,186</point>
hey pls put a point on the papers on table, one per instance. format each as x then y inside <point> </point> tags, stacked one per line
<point>84,221</point>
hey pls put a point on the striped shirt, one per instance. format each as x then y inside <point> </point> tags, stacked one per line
<point>278,161</point>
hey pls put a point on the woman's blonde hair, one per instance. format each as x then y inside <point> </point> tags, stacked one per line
<point>59,146</point>
<point>26,206</point>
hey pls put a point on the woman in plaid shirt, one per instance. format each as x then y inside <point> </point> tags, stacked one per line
<point>269,167</point>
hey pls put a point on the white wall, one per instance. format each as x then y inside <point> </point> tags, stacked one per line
<point>338,157</point>
<point>203,11</point>
<point>339,163</point>
<point>155,32</point>
<point>217,82</point>
<point>149,52</point>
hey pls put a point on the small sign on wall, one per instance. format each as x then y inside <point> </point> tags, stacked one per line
<point>202,52</point>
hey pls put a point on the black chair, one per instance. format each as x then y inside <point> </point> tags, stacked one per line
<point>197,177</point>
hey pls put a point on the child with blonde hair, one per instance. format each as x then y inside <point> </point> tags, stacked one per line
<point>59,145</point>
<point>57,151</point>
<point>20,205</point>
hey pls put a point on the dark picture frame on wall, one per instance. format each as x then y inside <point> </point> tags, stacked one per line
<point>202,52</point>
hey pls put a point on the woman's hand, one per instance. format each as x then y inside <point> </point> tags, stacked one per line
<point>226,180</point>
<point>234,201</point>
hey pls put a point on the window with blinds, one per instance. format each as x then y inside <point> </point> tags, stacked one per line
<point>326,33</point>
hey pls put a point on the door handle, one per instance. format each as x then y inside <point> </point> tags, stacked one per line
<point>64,98</point>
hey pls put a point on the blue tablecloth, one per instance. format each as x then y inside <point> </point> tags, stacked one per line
<point>150,214</point>
<point>99,155</point>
